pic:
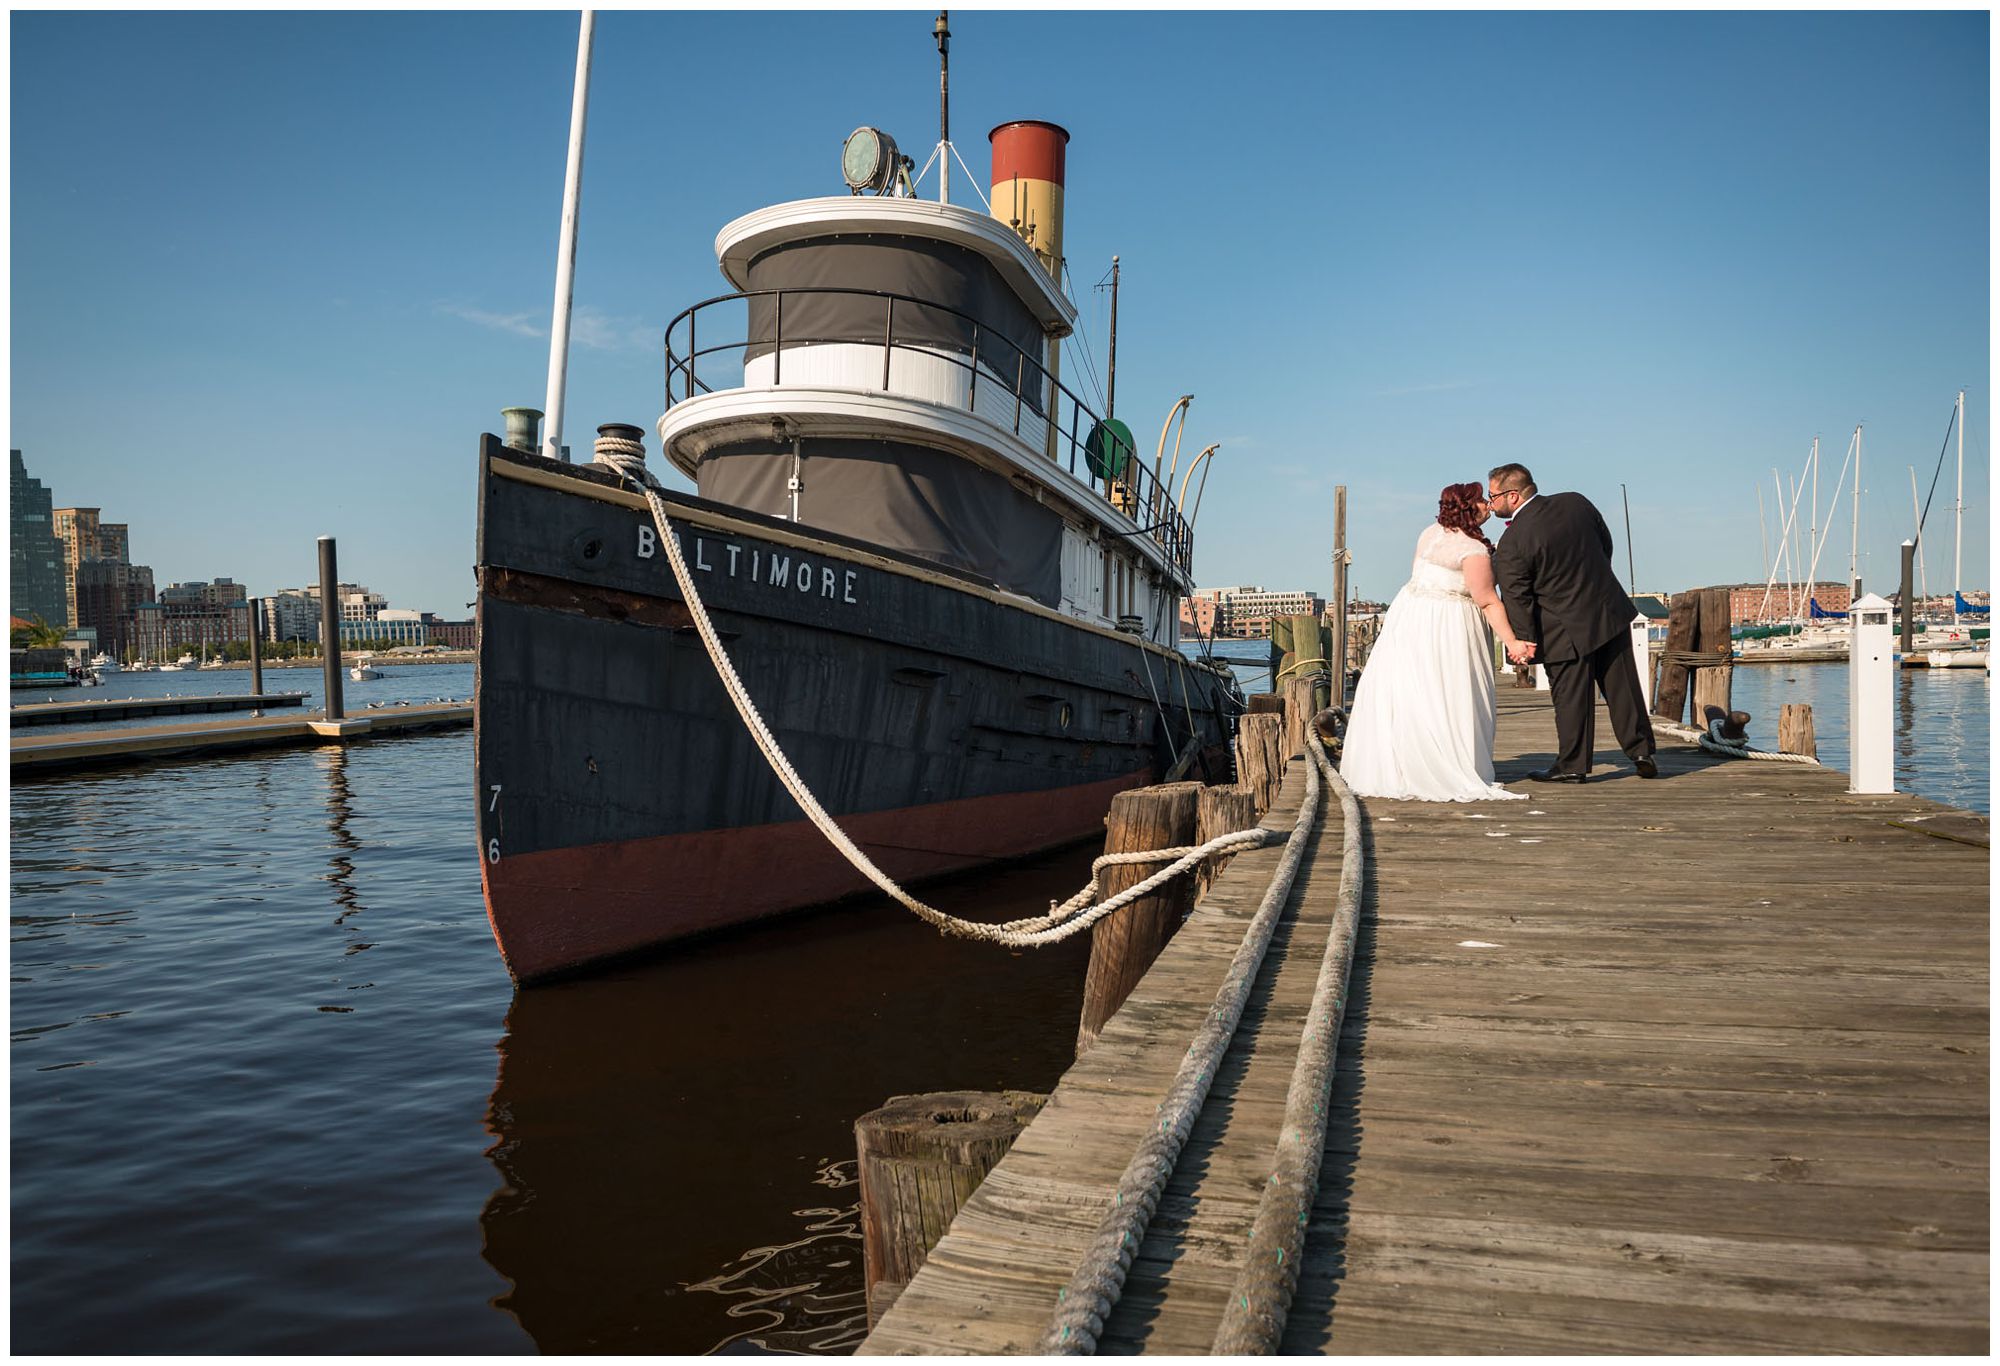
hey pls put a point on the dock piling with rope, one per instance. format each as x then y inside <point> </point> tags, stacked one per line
<point>1631,1066</point>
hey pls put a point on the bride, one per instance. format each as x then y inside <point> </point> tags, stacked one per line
<point>1422,726</point>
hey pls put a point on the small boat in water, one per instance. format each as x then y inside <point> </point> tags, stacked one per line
<point>103,664</point>
<point>364,672</point>
<point>950,589</point>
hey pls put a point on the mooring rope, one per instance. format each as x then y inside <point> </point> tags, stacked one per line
<point>1254,1317</point>
<point>1711,740</point>
<point>1085,1303</point>
<point>628,458</point>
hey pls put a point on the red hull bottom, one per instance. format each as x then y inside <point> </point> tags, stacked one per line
<point>561,908</point>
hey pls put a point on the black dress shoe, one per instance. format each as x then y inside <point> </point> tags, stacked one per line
<point>1550,775</point>
<point>1646,767</point>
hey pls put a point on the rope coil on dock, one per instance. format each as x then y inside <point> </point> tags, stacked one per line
<point>1083,1306</point>
<point>1712,741</point>
<point>627,458</point>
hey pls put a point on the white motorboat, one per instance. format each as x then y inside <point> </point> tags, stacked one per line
<point>362,673</point>
<point>103,663</point>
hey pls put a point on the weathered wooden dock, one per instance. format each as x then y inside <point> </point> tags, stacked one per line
<point>32,756</point>
<point>1690,1065</point>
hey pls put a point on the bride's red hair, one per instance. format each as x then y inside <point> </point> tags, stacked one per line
<point>1459,510</point>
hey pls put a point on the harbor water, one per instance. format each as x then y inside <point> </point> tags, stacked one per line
<point>273,1091</point>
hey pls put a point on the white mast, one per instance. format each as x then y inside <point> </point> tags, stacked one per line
<point>1854,552</point>
<point>1813,515</point>
<point>566,251</point>
<point>1958,514</point>
<point>1916,511</point>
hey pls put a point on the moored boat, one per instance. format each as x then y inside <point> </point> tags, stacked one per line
<point>950,589</point>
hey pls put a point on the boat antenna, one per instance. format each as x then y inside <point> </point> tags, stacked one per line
<point>942,31</point>
<point>1631,575</point>
<point>566,252</point>
<point>1111,365</point>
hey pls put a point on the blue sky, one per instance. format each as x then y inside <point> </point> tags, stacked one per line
<point>272,274</point>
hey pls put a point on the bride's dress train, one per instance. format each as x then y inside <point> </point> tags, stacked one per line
<point>1422,727</point>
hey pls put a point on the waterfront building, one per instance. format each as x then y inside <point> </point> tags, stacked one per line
<point>1244,611</point>
<point>34,555</point>
<point>193,616</point>
<point>456,635</point>
<point>292,614</point>
<point>108,596</point>
<point>1749,605</point>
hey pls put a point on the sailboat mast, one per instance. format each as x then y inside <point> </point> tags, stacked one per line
<point>1854,551</point>
<point>1916,511</point>
<point>1764,536</point>
<point>1958,514</point>
<point>566,253</point>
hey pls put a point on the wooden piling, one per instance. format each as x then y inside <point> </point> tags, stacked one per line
<point>1300,708</point>
<point>919,1158</point>
<point>1795,729</point>
<point>1125,943</point>
<point>1219,811</point>
<point>1712,681</point>
<point>1260,765</point>
<point>1262,703</point>
<point>1683,619</point>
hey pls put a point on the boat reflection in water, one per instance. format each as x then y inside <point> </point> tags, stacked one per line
<point>675,1140</point>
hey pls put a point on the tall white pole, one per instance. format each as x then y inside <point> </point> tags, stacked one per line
<point>1917,511</point>
<point>566,252</point>
<point>1814,514</point>
<point>1958,514</point>
<point>1854,552</point>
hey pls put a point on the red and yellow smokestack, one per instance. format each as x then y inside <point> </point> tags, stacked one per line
<point>1028,196</point>
<point>1028,186</point>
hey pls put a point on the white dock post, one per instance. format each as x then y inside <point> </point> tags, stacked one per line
<point>1871,672</point>
<point>1643,657</point>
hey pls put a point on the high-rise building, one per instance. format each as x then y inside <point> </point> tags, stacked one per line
<point>194,616</point>
<point>76,528</point>
<point>108,596</point>
<point>33,552</point>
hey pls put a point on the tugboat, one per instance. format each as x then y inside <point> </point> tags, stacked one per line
<point>950,589</point>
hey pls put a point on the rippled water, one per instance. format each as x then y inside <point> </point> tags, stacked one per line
<point>273,1091</point>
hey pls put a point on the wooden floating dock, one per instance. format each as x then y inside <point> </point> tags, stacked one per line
<point>36,755</point>
<point>1689,1065</point>
<point>125,708</point>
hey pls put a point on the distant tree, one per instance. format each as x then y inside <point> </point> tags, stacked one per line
<point>36,634</point>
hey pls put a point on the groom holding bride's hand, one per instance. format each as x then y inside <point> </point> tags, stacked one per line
<point>1553,568</point>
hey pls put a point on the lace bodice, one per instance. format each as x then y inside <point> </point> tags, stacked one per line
<point>1440,560</point>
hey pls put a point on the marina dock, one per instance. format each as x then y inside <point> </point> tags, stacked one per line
<point>125,708</point>
<point>33,756</point>
<point>1689,1065</point>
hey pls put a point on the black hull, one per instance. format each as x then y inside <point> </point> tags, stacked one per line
<point>622,800</point>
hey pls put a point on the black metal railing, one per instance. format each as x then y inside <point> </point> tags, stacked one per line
<point>1112,470</point>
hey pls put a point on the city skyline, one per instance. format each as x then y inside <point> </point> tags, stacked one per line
<point>1644,254</point>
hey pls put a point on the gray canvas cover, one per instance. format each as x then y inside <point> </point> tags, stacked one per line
<point>903,496</point>
<point>938,272</point>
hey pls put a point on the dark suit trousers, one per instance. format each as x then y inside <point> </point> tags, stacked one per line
<point>1573,686</point>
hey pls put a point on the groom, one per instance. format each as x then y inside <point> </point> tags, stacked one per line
<point>1553,568</point>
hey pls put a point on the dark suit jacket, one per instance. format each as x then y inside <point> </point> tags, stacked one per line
<point>1553,569</point>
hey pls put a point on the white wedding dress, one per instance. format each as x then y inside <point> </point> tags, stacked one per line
<point>1422,727</point>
